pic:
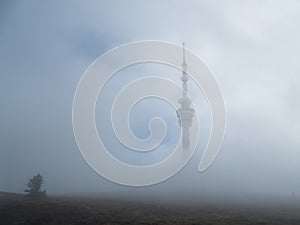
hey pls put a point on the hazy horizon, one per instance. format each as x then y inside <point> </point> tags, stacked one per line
<point>251,47</point>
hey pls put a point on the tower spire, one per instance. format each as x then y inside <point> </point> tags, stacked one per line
<point>184,77</point>
<point>183,52</point>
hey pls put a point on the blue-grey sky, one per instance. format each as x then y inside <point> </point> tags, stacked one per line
<point>251,46</point>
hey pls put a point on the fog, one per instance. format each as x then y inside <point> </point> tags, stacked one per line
<point>252,47</point>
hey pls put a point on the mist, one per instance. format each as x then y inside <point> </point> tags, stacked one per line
<point>252,48</point>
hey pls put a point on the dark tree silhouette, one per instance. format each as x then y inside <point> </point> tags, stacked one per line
<point>34,186</point>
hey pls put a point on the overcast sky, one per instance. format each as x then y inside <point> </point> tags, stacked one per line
<point>252,47</point>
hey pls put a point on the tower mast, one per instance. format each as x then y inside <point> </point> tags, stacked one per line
<point>184,77</point>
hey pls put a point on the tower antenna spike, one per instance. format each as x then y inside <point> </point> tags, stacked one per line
<point>183,52</point>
